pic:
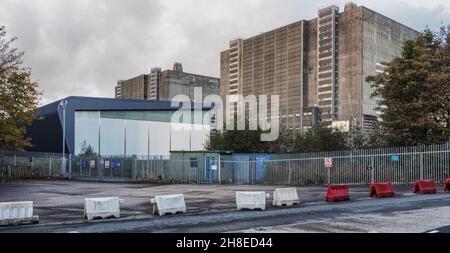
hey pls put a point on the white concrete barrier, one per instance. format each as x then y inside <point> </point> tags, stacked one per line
<point>17,213</point>
<point>101,208</point>
<point>285,197</point>
<point>251,200</point>
<point>166,204</point>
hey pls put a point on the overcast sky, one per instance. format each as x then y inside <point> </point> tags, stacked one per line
<point>82,47</point>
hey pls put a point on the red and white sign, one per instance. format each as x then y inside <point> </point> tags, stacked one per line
<point>328,161</point>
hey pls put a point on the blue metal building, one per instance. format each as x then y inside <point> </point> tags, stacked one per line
<point>112,127</point>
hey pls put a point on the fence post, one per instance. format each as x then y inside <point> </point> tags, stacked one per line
<point>162,168</point>
<point>50,166</point>
<point>63,166</point>
<point>198,171</point>
<point>421,166</point>
<point>147,167</point>
<point>100,171</point>
<point>133,168</point>
<point>328,175</point>
<point>372,171</point>
<point>289,164</point>
<point>70,166</point>
<point>220,168</point>
<point>32,160</point>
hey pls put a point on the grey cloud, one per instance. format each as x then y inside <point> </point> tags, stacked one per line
<point>414,16</point>
<point>81,47</point>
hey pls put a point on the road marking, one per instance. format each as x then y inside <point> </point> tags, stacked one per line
<point>434,232</point>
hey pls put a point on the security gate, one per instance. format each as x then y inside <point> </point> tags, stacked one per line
<point>102,169</point>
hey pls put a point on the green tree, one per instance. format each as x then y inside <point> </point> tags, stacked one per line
<point>19,96</point>
<point>357,139</point>
<point>284,144</point>
<point>414,93</point>
<point>320,138</point>
<point>241,141</point>
<point>249,141</point>
<point>87,150</point>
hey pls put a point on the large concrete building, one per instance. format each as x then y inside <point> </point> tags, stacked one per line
<point>133,88</point>
<point>317,65</point>
<point>164,85</point>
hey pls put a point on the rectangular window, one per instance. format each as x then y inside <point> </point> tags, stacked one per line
<point>194,162</point>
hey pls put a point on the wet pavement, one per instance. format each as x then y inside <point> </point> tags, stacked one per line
<point>211,208</point>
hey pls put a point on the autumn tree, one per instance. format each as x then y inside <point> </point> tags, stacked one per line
<point>19,96</point>
<point>414,93</point>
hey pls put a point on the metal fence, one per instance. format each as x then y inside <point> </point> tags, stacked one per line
<point>15,165</point>
<point>104,168</point>
<point>398,165</point>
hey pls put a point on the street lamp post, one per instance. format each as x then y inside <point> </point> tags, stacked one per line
<point>63,105</point>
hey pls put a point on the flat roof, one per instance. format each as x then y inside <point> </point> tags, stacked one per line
<point>75,103</point>
<point>46,130</point>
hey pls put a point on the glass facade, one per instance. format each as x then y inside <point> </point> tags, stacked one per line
<point>118,133</point>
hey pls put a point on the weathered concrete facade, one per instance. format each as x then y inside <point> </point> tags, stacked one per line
<point>321,63</point>
<point>164,85</point>
<point>273,65</point>
<point>176,82</point>
<point>224,74</point>
<point>133,88</point>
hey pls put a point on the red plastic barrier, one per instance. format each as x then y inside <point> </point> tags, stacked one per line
<point>425,186</point>
<point>337,193</point>
<point>382,190</point>
<point>446,185</point>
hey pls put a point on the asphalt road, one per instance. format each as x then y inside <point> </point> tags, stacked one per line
<point>410,214</point>
<point>63,201</point>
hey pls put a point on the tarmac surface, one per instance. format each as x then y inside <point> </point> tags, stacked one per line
<point>211,208</point>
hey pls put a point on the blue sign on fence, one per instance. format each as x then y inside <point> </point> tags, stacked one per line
<point>115,165</point>
<point>395,158</point>
<point>84,164</point>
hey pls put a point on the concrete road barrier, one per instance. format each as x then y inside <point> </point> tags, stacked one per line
<point>102,208</point>
<point>285,197</point>
<point>251,200</point>
<point>17,213</point>
<point>168,204</point>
